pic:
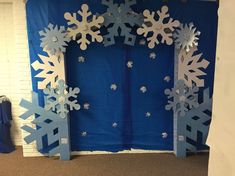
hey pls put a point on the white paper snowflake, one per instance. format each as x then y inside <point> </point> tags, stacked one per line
<point>186,37</point>
<point>84,134</point>
<point>115,125</point>
<point>190,66</point>
<point>61,100</point>
<point>86,106</point>
<point>164,135</point>
<point>158,27</point>
<point>182,98</point>
<point>54,39</point>
<point>81,29</point>
<point>81,59</point>
<point>153,55</point>
<point>52,70</point>
<point>113,87</point>
<point>130,64</point>
<point>148,114</point>
<point>143,89</point>
<point>167,78</point>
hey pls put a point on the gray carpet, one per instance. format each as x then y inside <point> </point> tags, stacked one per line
<point>104,165</point>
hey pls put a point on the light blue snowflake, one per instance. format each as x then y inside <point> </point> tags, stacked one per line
<point>47,124</point>
<point>117,18</point>
<point>195,122</point>
<point>54,39</point>
<point>182,98</point>
<point>61,100</point>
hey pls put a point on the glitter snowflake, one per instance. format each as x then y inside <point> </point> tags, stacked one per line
<point>60,100</point>
<point>47,122</point>
<point>120,17</point>
<point>190,66</point>
<point>54,39</point>
<point>81,29</point>
<point>52,70</point>
<point>182,98</point>
<point>186,37</point>
<point>158,27</point>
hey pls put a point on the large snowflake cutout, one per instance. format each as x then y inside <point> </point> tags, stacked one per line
<point>120,17</point>
<point>81,29</point>
<point>194,126</point>
<point>54,39</point>
<point>186,37</point>
<point>158,27</point>
<point>182,98</point>
<point>52,70</point>
<point>190,66</point>
<point>47,123</point>
<point>60,100</point>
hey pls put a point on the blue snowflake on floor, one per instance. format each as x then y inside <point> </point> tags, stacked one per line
<point>61,100</point>
<point>47,124</point>
<point>194,126</point>
<point>182,98</point>
<point>120,17</point>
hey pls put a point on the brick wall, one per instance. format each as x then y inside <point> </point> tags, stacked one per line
<point>15,76</point>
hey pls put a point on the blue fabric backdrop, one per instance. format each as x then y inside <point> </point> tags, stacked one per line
<point>104,66</point>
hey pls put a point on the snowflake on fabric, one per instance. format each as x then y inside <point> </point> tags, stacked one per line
<point>54,39</point>
<point>186,37</point>
<point>182,98</point>
<point>158,27</point>
<point>190,66</point>
<point>52,70</point>
<point>120,17</point>
<point>47,123</point>
<point>195,126</point>
<point>81,29</point>
<point>60,100</point>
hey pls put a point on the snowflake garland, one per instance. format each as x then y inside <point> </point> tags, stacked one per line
<point>54,39</point>
<point>60,100</point>
<point>158,27</point>
<point>190,66</point>
<point>186,37</point>
<point>81,29</point>
<point>117,17</point>
<point>182,98</point>
<point>52,70</point>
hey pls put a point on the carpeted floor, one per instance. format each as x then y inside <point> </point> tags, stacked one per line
<point>104,165</point>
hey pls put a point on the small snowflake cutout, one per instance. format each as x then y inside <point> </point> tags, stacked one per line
<point>115,125</point>
<point>167,79</point>
<point>113,87</point>
<point>86,106</point>
<point>152,56</point>
<point>143,89</point>
<point>81,59</point>
<point>164,135</point>
<point>84,133</point>
<point>130,64</point>
<point>148,114</point>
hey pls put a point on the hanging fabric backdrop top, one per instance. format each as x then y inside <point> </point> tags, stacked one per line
<point>122,87</point>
